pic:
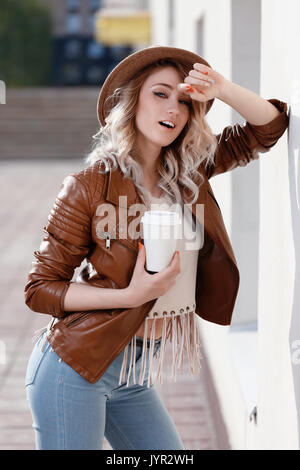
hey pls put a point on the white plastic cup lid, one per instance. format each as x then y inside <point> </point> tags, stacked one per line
<point>161,218</point>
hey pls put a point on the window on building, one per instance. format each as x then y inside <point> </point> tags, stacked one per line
<point>71,74</point>
<point>96,74</point>
<point>118,53</point>
<point>171,22</point>
<point>91,21</point>
<point>95,50</point>
<point>73,49</point>
<point>72,4</point>
<point>73,23</point>
<point>200,36</point>
<point>94,4</point>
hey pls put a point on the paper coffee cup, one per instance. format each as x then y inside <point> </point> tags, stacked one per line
<point>162,230</point>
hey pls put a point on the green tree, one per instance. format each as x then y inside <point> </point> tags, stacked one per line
<point>25,43</point>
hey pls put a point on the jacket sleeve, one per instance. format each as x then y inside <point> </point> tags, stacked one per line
<point>241,143</point>
<point>63,248</point>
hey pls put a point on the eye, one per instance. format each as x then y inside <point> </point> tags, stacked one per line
<point>187,103</point>
<point>163,95</point>
<point>159,93</point>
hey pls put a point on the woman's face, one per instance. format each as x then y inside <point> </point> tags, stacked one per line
<point>161,102</point>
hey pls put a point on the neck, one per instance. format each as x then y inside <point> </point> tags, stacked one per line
<point>148,154</point>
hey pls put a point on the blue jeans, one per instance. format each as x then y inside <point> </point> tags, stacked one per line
<point>70,413</point>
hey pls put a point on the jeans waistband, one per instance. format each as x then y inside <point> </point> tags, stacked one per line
<point>140,340</point>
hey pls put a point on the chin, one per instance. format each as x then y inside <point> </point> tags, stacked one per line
<point>166,144</point>
<point>163,143</point>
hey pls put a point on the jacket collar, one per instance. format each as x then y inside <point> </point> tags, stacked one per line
<point>120,186</point>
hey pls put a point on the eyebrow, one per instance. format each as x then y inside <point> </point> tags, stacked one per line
<point>164,84</point>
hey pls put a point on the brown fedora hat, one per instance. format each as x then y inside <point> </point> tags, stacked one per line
<point>133,63</point>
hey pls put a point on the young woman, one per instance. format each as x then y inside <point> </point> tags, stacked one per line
<point>91,372</point>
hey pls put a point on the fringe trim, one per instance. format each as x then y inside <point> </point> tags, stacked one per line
<point>184,335</point>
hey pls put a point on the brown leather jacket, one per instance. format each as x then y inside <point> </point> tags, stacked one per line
<point>90,340</point>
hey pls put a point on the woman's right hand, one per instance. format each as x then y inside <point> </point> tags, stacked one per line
<point>144,286</point>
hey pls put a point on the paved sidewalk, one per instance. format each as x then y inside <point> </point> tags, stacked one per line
<point>28,189</point>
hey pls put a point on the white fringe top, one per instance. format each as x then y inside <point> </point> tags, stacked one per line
<point>177,309</point>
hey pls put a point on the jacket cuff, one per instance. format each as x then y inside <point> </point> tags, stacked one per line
<point>279,123</point>
<point>61,313</point>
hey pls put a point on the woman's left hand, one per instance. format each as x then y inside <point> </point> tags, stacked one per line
<point>203,83</point>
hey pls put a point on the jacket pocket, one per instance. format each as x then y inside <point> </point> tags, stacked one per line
<point>35,360</point>
<point>80,317</point>
<point>77,318</point>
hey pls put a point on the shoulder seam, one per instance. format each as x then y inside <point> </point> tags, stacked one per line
<point>89,178</point>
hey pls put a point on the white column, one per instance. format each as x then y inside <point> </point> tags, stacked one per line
<point>279,238</point>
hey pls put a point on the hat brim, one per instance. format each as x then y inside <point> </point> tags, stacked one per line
<point>133,63</point>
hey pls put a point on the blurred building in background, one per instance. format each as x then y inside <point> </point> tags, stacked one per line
<point>126,22</point>
<point>57,118</point>
<point>78,58</point>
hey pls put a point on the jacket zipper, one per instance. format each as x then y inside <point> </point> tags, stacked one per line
<point>108,237</point>
<point>77,320</point>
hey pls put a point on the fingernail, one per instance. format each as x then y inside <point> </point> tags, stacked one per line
<point>205,73</point>
<point>140,245</point>
<point>212,81</point>
<point>189,88</point>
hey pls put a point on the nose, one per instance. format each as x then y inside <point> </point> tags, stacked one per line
<point>173,107</point>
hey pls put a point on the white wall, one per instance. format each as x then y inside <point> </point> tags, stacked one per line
<point>245,66</point>
<point>279,211</point>
<point>221,355</point>
<point>159,23</point>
